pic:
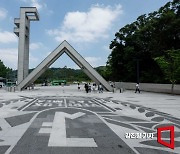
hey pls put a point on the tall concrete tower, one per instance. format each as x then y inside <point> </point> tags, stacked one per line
<point>22,30</point>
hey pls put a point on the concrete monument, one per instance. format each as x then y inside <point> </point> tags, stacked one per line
<point>22,30</point>
<point>24,80</point>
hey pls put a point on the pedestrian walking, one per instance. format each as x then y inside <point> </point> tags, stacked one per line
<point>100,88</point>
<point>89,87</point>
<point>114,87</point>
<point>79,86</point>
<point>137,88</point>
<point>86,87</point>
<point>94,87</point>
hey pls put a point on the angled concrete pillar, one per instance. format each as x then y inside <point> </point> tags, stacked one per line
<point>64,47</point>
<point>22,30</point>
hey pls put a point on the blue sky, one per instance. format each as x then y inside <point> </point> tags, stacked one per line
<point>88,25</point>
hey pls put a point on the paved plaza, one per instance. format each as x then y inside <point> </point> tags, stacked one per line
<point>65,120</point>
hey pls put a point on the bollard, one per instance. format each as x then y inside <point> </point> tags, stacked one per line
<point>13,89</point>
<point>10,89</point>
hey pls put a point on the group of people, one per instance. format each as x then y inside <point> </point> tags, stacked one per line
<point>94,87</point>
<point>88,87</point>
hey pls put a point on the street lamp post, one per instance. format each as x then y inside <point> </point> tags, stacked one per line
<point>137,69</point>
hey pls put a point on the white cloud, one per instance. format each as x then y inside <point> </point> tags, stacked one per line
<point>106,48</point>
<point>87,26</point>
<point>36,4</point>
<point>35,46</point>
<point>7,37</point>
<point>9,56</point>
<point>49,12</point>
<point>3,13</point>
<point>94,61</point>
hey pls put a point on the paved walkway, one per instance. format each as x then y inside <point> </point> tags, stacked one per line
<point>65,120</point>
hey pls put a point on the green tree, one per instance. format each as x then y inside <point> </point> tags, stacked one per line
<point>145,39</point>
<point>170,65</point>
<point>3,70</point>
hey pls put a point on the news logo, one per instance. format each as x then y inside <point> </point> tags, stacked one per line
<point>159,136</point>
<point>170,143</point>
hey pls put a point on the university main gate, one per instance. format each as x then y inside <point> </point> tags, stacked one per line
<point>22,30</point>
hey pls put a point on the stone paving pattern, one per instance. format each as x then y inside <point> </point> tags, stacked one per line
<point>50,120</point>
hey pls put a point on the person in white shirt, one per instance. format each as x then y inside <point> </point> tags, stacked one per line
<point>137,88</point>
<point>100,88</point>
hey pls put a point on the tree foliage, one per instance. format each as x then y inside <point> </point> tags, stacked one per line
<point>4,70</point>
<point>170,64</point>
<point>148,37</point>
<point>67,74</point>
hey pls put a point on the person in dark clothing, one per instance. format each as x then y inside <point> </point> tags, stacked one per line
<point>137,88</point>
<point>86,87</point>
<point>89,87</point>
<point>79,86</point>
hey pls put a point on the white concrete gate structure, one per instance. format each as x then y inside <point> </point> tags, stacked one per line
<point>64,47</point>
<point>22,30</point>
